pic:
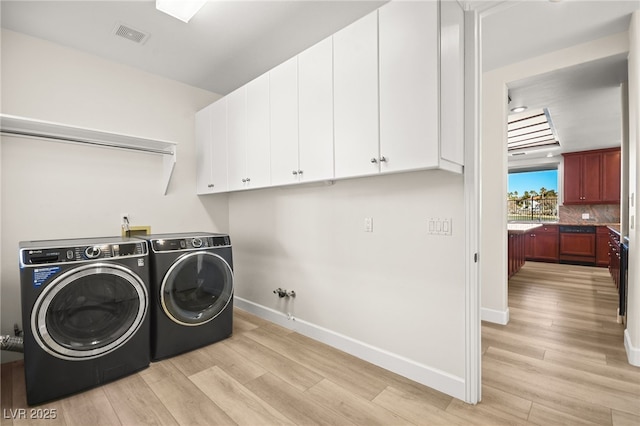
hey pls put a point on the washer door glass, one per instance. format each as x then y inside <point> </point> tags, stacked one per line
<point>197,287</point>
<point>89,311</point>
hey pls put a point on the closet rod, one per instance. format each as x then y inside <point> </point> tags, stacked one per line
<point>84,141</point>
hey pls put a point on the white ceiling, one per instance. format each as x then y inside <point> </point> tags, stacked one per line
<point>228,43</point>
<point>225,45</point>
<point>584,102</point>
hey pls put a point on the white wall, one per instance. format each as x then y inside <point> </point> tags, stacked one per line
<point>395,296</point>
<point>632,333</point>
<point>59,190</point>
<point>493,158</point>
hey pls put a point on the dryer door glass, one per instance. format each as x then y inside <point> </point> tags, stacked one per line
<point>89,311</point>
<point>197,287</point>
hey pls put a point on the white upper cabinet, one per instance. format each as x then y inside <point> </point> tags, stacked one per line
<point>451,84</point>
<point>414,88</point>
<point>204,146</point>
<point>211,148</point>
<point>258,133</point>
<point>237,138</point>
<point>248,138</point>
<point>383,95</point>
<point>409,107</point>
<point>315,112</point>
<point>302,117</point>
<point>284,123</point>
<point>355,73</point>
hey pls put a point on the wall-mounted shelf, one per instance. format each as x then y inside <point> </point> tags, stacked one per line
<point>30,128</point>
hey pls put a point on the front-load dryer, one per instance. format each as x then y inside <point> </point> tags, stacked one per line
<point>85,313</point>
<point>191,291</point>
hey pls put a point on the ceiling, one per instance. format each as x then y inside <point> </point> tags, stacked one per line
<point>225,45</point>
<point>228,43</point>
<point>584,101</point>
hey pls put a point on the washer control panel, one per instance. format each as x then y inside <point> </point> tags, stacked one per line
<point>189,243</point>
<point>39,256</point>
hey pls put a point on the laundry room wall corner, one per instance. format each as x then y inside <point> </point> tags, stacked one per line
<point>54,190</point>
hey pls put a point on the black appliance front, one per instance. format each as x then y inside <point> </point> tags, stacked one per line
<point>192,288</point>
<point>85,314</point>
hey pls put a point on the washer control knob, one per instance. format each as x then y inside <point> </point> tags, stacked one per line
<point>196,242</point>
<point>92,252</point>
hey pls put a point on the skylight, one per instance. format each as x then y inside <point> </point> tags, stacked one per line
<point>531,129</point>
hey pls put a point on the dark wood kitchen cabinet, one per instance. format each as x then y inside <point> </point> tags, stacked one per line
<point>542,244</point>
<point>516,252</point>
<point>592,177</point>
<point>611,176</point>
<point>602,246</point>
<point>578,247</point>
<point>614,256</point>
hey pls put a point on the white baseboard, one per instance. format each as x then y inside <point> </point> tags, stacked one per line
<point>491,315</point>
<point>633,352</point>
<point>431,377</point>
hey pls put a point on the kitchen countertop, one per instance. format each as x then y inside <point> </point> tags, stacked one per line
<point>582,223</point>
<point>521,228</point>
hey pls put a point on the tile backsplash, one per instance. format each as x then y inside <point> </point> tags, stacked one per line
<point>598,213</point>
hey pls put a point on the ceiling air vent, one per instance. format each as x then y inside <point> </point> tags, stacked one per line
<point>129,33</point>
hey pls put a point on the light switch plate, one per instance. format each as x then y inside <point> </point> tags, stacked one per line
<point>585,216</point>
<point>368,224</point>
<point>439,226</point>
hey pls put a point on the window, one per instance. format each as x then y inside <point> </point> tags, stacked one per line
<point>533,195</point>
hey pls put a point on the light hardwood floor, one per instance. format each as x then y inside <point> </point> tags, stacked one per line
<point>560,360</point>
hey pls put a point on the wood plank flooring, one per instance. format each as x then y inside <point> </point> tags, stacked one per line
<point>560,360</point>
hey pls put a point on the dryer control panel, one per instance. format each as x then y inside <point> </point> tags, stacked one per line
<point>189,243</point>
<point>48,255</point>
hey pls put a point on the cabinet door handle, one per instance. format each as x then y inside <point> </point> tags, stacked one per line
<point>300,172</point>
<point>244,180</point>
<point>295,173</point>
<point>210,185</point>
<point>383,159</point>
<point>248,180</point>
<point>374,160</point>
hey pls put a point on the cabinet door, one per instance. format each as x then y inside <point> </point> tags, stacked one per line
<point>356,98</point>
<point>258,134</point>
<point>204,143</point>
<point>572,179</point>
<point>218,148</point>
<point>611,177</point>
<point>315,94</point>
<point>284,122</point>
<point>237,138</point>
<point>529,240</point>
<point>591,178</point>
<point>602,246</point>
<point>578,245</point>
<point>451,82</point>
<point>546,245</point>
<point>409,109</point>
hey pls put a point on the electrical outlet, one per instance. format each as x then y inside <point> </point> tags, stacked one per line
<point>585,216</point>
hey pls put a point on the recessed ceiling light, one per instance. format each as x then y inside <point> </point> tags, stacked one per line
<point>182,10</point>
<point>518,109</point>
